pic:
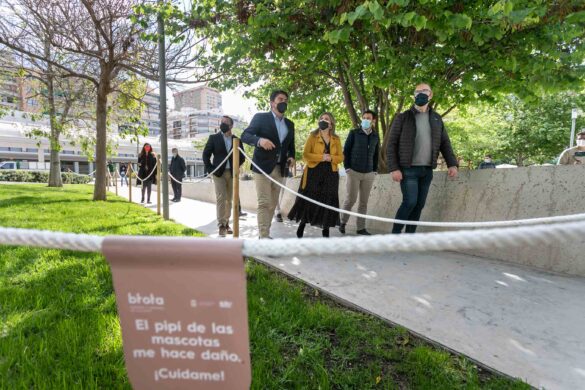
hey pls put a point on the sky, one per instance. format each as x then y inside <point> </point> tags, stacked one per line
<point>235,104</point>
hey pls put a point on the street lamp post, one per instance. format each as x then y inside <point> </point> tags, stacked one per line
<point>163,116</point>
<point>574,114</point>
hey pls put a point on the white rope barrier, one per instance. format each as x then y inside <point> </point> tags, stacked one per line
<point>517,222</point>
<point>173,178</point>
<point>559,233</point>
<point>216,168</point>
<point>561,156</point>
<point>147,177</point>
<point>420,242</point>
<point>192,181</point>
<point>549,231</point>
<point>203,177</point>
<point>49,239</point>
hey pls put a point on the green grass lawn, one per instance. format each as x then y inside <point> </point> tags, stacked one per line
<point>59,328</point>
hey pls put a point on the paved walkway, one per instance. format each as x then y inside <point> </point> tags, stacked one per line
<point>523,322</point>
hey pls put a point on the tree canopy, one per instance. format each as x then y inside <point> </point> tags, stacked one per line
<point>348,56</point>
<point>515,131</point>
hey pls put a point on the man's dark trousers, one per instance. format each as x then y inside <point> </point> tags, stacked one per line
<point>415,185</point>
<point>177,188</point>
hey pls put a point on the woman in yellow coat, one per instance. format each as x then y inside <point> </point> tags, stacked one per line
<point>322,155</point>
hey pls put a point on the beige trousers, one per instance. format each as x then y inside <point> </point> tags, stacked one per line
<point>358,183</point>
<point>267,193</point>
<point>224,188</point>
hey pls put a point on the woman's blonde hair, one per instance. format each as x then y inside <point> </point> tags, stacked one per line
<point>332,120</point>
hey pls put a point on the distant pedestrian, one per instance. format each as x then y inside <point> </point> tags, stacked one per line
<point>177,170</point>
<point>146,171</point>
<point>123,174</point>
<point>110,176</point>
<point>320,181</point>
<point>487,163</point>
<point>576,154</point>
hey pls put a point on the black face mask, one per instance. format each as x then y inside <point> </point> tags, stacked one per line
<point>421,99</point>
<point>224,127</point>
<point>323,125</point>
<point>281,107</point>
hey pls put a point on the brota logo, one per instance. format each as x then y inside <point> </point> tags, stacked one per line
<point>137,299</point>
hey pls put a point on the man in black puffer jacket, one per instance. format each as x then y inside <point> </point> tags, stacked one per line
<point>417,136</point>
<point>361,164</point>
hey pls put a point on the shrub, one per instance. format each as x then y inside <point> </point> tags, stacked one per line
<point>24,176</point>
<point>16,175</point>
<point>74,178</point>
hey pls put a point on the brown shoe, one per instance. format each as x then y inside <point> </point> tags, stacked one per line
<point>229,229</point>
<point>222,231</point>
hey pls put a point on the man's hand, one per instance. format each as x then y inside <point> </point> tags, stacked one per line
<point>452,172</point>
<point>291,162</point>
<point>396,175</point>
<point>266,144</point>
<point>326,157</point>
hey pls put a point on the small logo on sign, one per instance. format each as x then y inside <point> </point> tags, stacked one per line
<point>137,299</point>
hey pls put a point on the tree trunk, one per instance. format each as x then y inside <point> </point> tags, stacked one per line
<point>347,98</point>
<point>99,191</point>
<point>55,161</point>
<point>382,124</point>
<point>449,110</point>
<point>383,167</point>
<point>356,89</point>
<point>55,179</point>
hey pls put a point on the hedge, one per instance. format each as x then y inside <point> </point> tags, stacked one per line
<point>24,176</point>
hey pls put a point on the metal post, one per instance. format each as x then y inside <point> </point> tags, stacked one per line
<point>116,181</point>
<point>574,114</point>
<point>158,183</point>
<point>129,173</point>
<point>163,114</point>
<point>236,187</point>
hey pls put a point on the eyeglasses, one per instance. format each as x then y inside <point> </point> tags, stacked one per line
<point>427,91</point>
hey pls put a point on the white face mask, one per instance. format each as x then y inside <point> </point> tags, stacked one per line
<point>366,124</point>
<point>581,142</point>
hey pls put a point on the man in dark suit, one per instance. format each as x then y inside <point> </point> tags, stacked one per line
<point>218,145</point>
<point>273,137</point>
<point>177,169</point>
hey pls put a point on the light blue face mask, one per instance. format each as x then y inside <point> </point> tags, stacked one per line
<point>366,123</point>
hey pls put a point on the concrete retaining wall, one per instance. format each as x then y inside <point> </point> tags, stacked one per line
<point>494,194</point>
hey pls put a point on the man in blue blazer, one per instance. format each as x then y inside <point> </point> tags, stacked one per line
<point>273,137</point>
